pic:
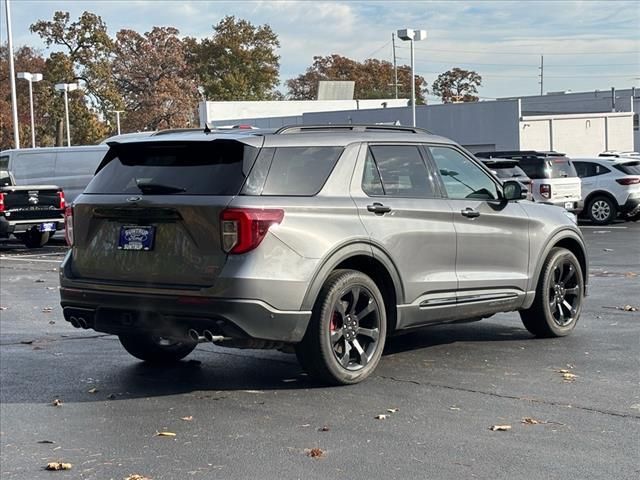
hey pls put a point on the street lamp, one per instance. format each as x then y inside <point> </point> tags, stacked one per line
<point>31,77</point>
<point>413,36</point>
<point>117,112</point>
<point>66,88</point>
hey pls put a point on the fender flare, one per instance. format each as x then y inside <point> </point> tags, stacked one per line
<point>340,254</point>
<point>553,242</point>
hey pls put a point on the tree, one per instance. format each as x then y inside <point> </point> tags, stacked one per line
<point>156,82</point>
<point>239,62</point>
<point>373,78</point>
<point>89,49</point>
<point>457,85</point>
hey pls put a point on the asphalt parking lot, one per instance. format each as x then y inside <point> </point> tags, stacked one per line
<point>573,404</point>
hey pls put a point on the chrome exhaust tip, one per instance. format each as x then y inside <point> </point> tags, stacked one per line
<point>74,322</point>
<point>83,323</point>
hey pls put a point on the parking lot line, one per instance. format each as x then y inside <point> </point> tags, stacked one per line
<point>601,227</point>
<point>29,260</point>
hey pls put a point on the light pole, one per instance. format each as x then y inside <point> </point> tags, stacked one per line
<point>66,88</point>
<point>12,79</point>
<point>413,36</point>
<point>31,77</point>
<point>117,112</point>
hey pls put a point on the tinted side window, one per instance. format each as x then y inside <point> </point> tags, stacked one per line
<point>300,170</point>
<point>461,177</point>
<point>401,171</point>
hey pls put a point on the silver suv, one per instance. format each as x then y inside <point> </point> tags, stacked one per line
<point>320,240</point>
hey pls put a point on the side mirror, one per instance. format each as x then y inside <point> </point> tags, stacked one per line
<point>512,190</point>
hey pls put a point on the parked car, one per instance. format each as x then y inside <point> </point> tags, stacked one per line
<point>321,240</point>
<point>610,187</point>
<point>71,168</point>
<point>30,213</point>
<point>507,169</point>
<point>553,178</point>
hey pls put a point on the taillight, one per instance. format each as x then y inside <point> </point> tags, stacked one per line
<point>62,204</point>
<point>545,190</point>
<point>68,225</point>
<point>1,202</point>
<point>242,229</point>
<point>628,181</point>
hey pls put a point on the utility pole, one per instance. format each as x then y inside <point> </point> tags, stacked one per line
<point>395,66</point>
<point>541,68</point>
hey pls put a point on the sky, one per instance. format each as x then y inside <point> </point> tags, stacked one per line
<point>587,45</point>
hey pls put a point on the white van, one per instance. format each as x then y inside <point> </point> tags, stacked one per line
<point>71,168</point>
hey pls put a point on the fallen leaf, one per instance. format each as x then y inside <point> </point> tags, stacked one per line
<point>314,452</point>
<point>58,466</point>
<point>3,308</point>
<point>500,428</point>
<point>187,419</point>
<point>530,421</point>
<point>56,403</point>
<point>93,390</point>
<point>454,408</point>
<point>51,322</point>
<point>630,274</point>
<point>135,476</point>
<point>381,417</point>
<point>165,434</point>
<point>51,288</point>
<point>26,342</point>
<point>111,396</point>
<point>39,281</point>
<point>392,410</point>
<point>45,441</point>
<point>569,377</point>
<point>47,310</point>
<point>608,249</point>
<point>324,429</point>
<point>630,308</point>
<point>564,370</point>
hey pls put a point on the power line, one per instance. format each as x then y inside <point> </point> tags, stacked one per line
<point>494,52</point>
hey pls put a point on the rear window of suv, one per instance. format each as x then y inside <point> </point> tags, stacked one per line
<point>630,168</point>
<point>551,167</point>
<point>188,168</point>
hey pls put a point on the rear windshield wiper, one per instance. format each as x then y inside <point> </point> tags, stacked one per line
<point>158,188</point>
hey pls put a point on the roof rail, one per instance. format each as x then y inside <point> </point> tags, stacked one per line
<point>169,131</point>
<point>349,127</point>
<point>518,154</point>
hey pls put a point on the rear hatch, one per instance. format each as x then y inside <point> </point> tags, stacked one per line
<point>557,174</point>
<point>151,214</point>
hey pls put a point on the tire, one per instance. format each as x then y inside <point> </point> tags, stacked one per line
<point>34,239</point>
<point>154,350</point>
<point>559,295</point>
<point>602,210</point>
<point>346,335</point>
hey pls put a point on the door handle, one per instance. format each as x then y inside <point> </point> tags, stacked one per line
<point>378,208</point>
<point>470,213</point>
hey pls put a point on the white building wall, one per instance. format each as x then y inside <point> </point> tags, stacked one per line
<point>577,135</point>
<point>215,113</point>
<point>535,135</point>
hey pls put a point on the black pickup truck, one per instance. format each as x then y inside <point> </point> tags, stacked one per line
<point>30,213</point>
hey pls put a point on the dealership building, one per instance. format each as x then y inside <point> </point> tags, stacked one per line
<point>578,124</point>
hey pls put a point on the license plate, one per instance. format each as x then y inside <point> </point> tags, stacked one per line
<point>136,237</point>
<point>568,205</point>
<point>47,227</point>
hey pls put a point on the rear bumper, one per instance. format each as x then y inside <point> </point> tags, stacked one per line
<point>8,227</point>
<point>173,316</point>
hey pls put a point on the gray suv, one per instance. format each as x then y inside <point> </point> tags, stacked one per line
<point>323,240</point>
